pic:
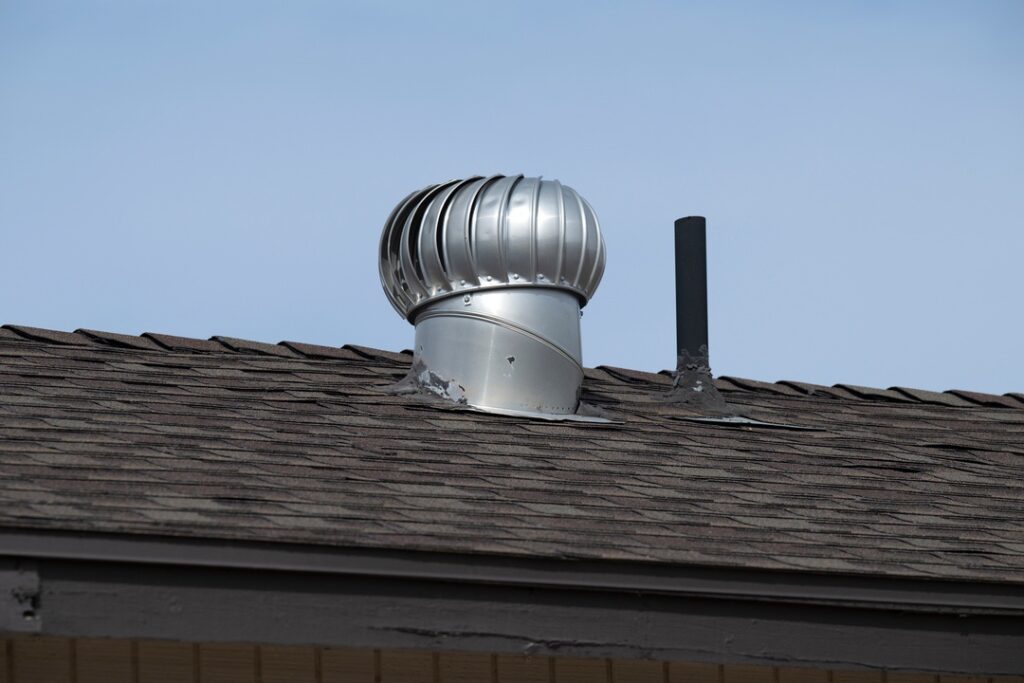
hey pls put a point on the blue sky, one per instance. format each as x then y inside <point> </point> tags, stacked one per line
<point>203,168</point>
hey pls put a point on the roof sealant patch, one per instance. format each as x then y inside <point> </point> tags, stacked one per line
<point>425,383</point>
<point>739,421</point>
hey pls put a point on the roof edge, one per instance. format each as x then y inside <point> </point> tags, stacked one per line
<point>763,585</point>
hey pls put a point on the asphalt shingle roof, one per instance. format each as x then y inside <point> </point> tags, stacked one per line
<point>290,442</point>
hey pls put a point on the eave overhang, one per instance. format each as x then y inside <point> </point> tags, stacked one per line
<point>143,586</point>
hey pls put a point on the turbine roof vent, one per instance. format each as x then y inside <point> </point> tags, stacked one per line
<point>485,233</point>
<point>493,273</point>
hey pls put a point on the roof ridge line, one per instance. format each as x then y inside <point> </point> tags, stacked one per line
<point>157,341</point>
<point>153,341</point>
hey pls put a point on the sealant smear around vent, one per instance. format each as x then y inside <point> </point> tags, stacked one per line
<point>489,269</point>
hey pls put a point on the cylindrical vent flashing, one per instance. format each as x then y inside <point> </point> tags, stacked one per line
<point>493,273</point>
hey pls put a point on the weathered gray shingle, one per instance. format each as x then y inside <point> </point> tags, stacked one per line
<point>297,443</point>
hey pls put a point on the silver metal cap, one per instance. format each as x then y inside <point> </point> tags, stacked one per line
<point>483,233</point>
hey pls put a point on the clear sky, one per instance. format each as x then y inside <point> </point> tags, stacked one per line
<point>202,168</point>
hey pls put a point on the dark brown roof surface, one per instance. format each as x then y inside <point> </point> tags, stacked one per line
<point>290,442</point>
